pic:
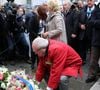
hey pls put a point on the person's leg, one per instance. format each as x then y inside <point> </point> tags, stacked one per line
<point>64,83</point>
<point>94,60</point>
<point>11,48</point>
<point>94,66</point>
<point>82,50</point>
<point>23,45</point>
<point>33,55</point>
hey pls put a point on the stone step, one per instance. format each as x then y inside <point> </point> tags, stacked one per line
<point>96,86</point>
<point>78,84</point>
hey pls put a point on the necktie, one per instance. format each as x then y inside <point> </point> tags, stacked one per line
<point>89,13</point>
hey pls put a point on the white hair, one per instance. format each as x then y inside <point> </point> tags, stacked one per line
<point>67,2</point>
<point>40,42</point>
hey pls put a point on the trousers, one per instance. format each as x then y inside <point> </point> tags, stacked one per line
<point>63,84</point>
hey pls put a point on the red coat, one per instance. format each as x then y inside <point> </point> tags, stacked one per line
<point>61,59</point>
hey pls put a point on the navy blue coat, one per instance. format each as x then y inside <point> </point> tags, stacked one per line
<point>83,19</point>
<point>95,23</point>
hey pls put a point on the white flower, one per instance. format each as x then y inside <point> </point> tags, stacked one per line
<point>3,69</point>
<point>3,85</point>
<point>25,77</point>
<point>8,84</point>
<point>34,83</point>
<point>12,82</point>
<point>18,83</point>
<point>36,86</point>
<point>13,73</point>
<point>9,78</point>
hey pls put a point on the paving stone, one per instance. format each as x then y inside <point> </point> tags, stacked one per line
<point>96,86</point>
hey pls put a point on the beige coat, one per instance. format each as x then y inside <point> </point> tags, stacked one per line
<point>56,27</point>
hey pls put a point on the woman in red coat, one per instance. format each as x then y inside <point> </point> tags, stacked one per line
<point>57,62</point>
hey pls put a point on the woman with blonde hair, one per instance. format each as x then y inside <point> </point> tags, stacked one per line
<point>55,28</point>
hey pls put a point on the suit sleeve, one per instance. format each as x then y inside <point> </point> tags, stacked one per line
<point>95,22</point>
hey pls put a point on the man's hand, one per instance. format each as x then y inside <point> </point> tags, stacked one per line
<point>73,35</point>
<point>38,83</point>
<point>83,27</point>
<point>48,88</point>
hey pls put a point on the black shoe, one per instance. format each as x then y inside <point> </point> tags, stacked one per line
<point>91,79</point>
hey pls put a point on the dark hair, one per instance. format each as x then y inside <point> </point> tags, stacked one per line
<point>10,0</point>
<point>74,5</point>
<point>42,12</point>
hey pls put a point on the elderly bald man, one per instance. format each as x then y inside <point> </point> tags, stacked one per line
<point>57,62</point>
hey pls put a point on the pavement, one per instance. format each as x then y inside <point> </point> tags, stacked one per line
<point>79,84</point>
<point>96,86</point>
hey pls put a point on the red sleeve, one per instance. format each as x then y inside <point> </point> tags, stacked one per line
<point>40,71</point>
<point>59,57</point>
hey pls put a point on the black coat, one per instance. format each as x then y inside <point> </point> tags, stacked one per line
<point>3,33</point>
<point>2,22</point>
<point>95,23</point>
<point>33,26</point>
<point>83,19</point>
<point>71,23</point>
<point>3,30</point>
<point>20,24</point>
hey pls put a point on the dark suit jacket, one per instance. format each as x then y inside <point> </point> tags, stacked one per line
<point>95,23</point>
<point>83,19</point>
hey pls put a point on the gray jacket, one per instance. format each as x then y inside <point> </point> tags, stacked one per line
<point>56,27</point>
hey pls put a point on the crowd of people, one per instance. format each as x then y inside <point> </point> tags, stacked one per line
<point>75,24</point>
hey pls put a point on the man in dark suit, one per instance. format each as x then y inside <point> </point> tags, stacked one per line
<point>85,30</point>
<point>94,69</point>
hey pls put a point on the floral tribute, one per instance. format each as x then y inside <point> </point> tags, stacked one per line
<point>16,80</point>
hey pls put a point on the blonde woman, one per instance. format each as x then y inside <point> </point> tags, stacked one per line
<point>55,23</point>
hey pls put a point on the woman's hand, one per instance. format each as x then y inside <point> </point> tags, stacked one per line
<point>45,35</point>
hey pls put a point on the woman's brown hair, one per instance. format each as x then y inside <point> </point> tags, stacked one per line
<point>41,10</point>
